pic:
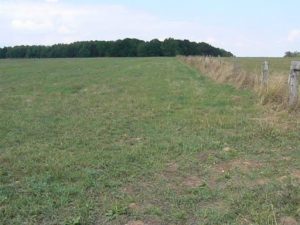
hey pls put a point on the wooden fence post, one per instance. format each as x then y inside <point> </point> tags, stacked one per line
<point>265,74</point>
<point>236,69</point>
<point>293,83</point>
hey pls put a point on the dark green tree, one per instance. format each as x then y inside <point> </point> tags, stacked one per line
<point>128,47</point>
<point>170,47</point>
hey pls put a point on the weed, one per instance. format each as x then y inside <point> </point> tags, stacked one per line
<point>74,221</point>
<point>116,211</point>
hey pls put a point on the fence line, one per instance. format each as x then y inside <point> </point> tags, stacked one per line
<point>276,90</point>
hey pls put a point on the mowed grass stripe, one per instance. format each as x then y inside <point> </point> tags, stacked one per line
<point>108,141</point>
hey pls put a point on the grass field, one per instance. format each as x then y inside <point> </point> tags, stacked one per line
<point>139,141</point>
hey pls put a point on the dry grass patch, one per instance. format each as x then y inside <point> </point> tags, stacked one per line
<point>135,222</point>
<point>193,182</point>
<point>296,174</point>
<point>172,167</point>
<point>288,221</point>
<point>178,181</point>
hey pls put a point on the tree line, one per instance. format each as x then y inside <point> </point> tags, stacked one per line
<point>292,54</point>
<point>120,48</point>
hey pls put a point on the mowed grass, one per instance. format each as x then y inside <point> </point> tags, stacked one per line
<point>139,141</point>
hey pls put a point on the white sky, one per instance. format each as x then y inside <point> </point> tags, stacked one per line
<point>247,28</point>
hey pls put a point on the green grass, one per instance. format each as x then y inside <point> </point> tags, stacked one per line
<point>107,141</point>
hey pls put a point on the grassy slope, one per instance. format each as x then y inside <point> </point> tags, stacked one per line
<point>106,141</point>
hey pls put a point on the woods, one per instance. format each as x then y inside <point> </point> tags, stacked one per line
<point>120,48</point>
<point>292,54</point>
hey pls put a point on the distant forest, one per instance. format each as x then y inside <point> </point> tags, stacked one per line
<point>120,48</point>
<point>292,54</point>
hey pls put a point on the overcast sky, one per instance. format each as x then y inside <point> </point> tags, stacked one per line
<point>246,28</point>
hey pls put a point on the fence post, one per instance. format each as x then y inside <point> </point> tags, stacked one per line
<point>293,83</point>
<point>236,69</point>
<point>265,74</point>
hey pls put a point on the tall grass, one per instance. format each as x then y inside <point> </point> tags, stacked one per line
<point>274,94</point>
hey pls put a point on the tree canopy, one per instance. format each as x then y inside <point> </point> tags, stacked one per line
<point>121,48</point>
<point>292,54</point>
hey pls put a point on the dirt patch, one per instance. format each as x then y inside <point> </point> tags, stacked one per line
<point>261,181</point>
<point>223,167</point>
<point>217,205</point>
<point>203,156</point>
<point>296,174</point>
<point>153,222</point>
<point>135,222</point>
<point>283,179</point>
<point>140,188</point>
<point>242,165</point>
<point>178,182</point>
<point>245,221</point>
<point>126,139</point>
<point>288,221</point>
<point>130,190</point>
<point>147,222</point>
<point>171,175</point>
<point>287,158</point>
<point>134,140</point>
<point>193,182</point>
<point>212,182</point>
<point>172,167</point>
<point>226,149</point>
<point>236,99</point>
<point>247,164</point>
<point>222,170</point>
<point>133,206</point>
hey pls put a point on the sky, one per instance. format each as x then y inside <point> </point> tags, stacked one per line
<point>245,27</point>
